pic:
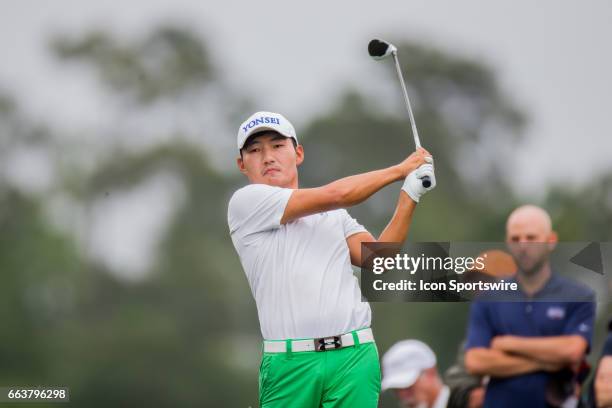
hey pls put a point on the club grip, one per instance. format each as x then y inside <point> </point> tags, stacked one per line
<point>426,181</point>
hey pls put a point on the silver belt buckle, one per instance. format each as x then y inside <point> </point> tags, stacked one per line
<point>328,343</point>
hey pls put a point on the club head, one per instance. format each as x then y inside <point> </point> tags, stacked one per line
<point>380,49</point>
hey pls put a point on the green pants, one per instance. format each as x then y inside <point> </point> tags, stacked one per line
<point>346,377</point>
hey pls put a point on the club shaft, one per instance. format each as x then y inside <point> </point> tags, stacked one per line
<point>415,132</point>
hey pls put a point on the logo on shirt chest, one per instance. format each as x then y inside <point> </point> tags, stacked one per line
<point>555,313</point>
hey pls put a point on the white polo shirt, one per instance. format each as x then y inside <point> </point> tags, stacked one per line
<point>300,273</point>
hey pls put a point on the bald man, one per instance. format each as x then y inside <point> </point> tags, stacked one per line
<point>531,345</point>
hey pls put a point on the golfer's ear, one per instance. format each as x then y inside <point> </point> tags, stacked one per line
<point>240,164</point>
<point>299,151</point>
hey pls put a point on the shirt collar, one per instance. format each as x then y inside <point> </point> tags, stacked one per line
<point>442,399</point>
<point>548,288</point>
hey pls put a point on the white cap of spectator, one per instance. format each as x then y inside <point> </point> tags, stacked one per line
<point>403,363</point>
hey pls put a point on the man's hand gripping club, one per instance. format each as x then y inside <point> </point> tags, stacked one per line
<point>413,185</point>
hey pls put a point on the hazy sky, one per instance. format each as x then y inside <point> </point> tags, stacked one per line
<point>552,56</point>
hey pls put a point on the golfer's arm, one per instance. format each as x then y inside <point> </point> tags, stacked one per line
<point>556,349</point>
<point>396,231</point>
<point>342,193</point>
<point>496,363</point>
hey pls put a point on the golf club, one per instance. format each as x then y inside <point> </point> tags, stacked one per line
<point>379,49</point>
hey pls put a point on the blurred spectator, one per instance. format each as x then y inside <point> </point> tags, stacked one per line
<point>533,346</point>
<point>409,368</point>
<point>467,390</point>
<point>603,378</point>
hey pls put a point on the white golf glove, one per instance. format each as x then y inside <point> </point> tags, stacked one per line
<point>413,185</point>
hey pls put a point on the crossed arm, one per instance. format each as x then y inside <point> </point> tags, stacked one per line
<point>514,355</point>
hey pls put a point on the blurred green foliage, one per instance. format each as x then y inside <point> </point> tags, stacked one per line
<point>187,334</point>
<point>168,62</point>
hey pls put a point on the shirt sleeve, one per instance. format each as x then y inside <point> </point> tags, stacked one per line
<point>581,321</point>
<point>350,225</point>
<point>257,208</point>
<point>479,331</point>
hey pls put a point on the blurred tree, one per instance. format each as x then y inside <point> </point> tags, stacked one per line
<point>39,279</point>
<point>168,62</point>
<point>583,214</point>
<point>191,324</point>
<point>167,340</point>
<point>40,267</point>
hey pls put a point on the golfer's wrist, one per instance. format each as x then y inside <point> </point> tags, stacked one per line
<point>398,172</point>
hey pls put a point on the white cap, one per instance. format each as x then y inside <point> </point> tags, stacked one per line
<point>260,121</point>
<point>403,363</point>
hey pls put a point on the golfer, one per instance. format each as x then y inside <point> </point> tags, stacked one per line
<point>296,247</point>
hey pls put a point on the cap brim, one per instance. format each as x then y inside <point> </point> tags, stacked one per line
<point>262,128</point>
<point>399,380</point>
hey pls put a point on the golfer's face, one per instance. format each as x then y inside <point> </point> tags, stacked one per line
<point>271,159</point>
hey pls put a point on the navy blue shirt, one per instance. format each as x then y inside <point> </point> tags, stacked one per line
<point>607,348</point>
<point>547,313</point>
